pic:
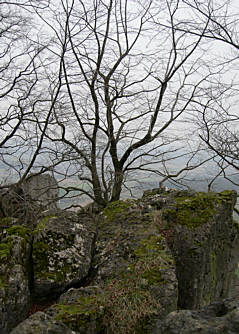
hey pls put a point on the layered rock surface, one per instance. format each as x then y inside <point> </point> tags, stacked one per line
<point>128,270</point>
<point>41,323</point>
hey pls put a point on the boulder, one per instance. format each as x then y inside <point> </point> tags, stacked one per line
<point>130,270</point>
<point>41,323</point>
<point>42,189</point>
<point>26,200</point>
<point>15,271</point>
<point>79,309</point>
<point>218,318</point>
<point>133,275</point>
<point>62,251</point>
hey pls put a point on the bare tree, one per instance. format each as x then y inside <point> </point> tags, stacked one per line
<point>19,77</point>
<point>126,78</point>
<point>218,110</point>
<point>102,91</point>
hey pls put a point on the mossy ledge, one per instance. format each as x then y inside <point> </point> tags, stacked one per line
<point>196,210</point>
<point>119,210</point>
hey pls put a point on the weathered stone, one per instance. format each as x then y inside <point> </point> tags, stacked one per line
<point>133,256</point>
<point>27,199</point>
<point>135,275</point>
<point>41,188</point>
<point>204,241</point>
<point>78,309</point>
<point>217,318</point>
<point>15,247</point>
<point>141,246</point>
<point>41,323</point>
<point>62,250</point>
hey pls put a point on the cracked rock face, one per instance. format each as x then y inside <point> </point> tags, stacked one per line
<point>145,250</point>
<point>40,264</point>
<point>62,250</point>
<point>15,248</point>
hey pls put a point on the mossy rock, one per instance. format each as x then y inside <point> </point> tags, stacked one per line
<point>7,221</point>
<point>15,251</point>
<point>138,268</point>
<point>196,210</point>
<point>121,211</point>
<point>61,254</point>
<point>81,316</point>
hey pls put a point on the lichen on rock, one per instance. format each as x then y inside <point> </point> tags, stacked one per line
<point>15,248</point>
<point>203,242</point>
<point>61,255</point>
<point>145,259</point>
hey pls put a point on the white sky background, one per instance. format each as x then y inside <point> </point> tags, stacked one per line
<point>217,48</point>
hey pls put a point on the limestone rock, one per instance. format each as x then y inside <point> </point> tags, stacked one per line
<point>15,247</point>
<point>78,309</point>
<point>143,259</point>
<point>42,189</point>
<point>134,279</point>
<point>41,323</point>
<point>27,199</point>
<point>134,257</point>
<point>62,250</point>
<point>204,241</point>
<point>217,318</point>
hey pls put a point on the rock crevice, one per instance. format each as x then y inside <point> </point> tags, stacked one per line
<point>134,273</point>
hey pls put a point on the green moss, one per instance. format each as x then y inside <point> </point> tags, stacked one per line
<point>198,243</point>
<point>42,225</point>
<point>5,249</point>
<point>226,195</point>
<point>151,246</point>
<point>85,306</point>
<point>3,281</point>
<point>19,230</point>
<point>153,276</point>
<point>152,259</point>
<point>6,221</point>
<point>152,192</point>
<point>78,316</point>
<point>40,252</point>
<point>118,209</point>
<point>194,211</point>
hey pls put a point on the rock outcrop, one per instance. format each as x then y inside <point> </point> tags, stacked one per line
<point>157,265</point>
<point>61,254</point>
<point>41,188</point>
<point>39,264</point>
<point>29,198</point>
<point>204,241</point>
